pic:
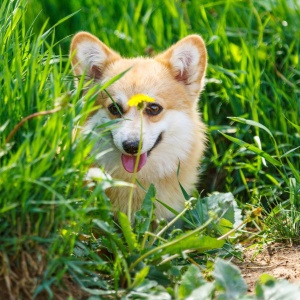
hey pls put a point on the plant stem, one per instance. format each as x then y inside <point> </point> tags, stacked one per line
<point>161,247</point>
<point>135,168</point>
<point>127,274</point>
<point>37,114</point>
<point>168,225</point>
<point>147,234</point>
<point>232,230</point>
<point>172,222</point>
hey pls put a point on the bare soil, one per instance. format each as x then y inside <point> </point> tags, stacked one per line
<point>279,260</point>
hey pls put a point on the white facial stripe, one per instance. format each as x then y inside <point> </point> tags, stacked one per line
<point>127,129</point>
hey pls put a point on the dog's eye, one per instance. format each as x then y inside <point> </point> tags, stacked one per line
<point>115,109</point>
<point>153,109</point>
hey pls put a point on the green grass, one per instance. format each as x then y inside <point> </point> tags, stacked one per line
<point>55,228</point>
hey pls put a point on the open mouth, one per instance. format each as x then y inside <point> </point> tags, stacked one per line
<point>129,161</point>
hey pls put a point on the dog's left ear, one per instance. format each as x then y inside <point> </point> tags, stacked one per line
<point>187,60</point>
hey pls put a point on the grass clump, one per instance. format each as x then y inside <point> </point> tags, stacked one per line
<point>42,167</point>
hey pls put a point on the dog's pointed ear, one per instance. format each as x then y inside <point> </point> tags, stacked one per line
<point>90,55</point>
<point>187,61</point>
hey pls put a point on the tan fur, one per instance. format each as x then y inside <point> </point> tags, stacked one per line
<point>176,89</point>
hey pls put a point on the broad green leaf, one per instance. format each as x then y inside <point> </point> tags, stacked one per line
<point>223,204</point>
<point>270,288</point>
<point>191,280</point>
<point>146,285</point>
<point>159,274</point>
<point>128,233</point>
<point>229,280</point>
<point>148,290</point>
<point>204,292</point>
<point>197,242</point>
<point>254,149</point>
<point>224,226</point>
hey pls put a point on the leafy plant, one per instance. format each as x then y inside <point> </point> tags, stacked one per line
<point>228,284</point>
<point>282,220</point>
<point>139,254</point>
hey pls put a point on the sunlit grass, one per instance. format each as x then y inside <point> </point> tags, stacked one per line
<point>251,106</point>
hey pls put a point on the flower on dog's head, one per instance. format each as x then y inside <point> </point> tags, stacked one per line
<point>139,99</point>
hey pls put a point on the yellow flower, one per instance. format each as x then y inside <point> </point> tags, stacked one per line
<point>139,99</point>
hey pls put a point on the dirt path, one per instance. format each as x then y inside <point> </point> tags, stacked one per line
<point>279,260</point>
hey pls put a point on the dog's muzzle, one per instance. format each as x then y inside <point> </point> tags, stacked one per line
<point>132,147</point>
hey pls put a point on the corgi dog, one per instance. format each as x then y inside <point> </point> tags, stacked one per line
<point>172,130</point>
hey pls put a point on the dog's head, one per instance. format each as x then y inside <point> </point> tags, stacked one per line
<point>174,79</point>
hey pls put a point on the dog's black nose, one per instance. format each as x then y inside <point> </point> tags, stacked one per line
<point>131,147</point>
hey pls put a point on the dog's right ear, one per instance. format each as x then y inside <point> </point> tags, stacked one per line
<point>187,61</point>
<point>90,55</point>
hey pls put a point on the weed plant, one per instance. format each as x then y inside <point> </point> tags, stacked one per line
<point>54,228</point>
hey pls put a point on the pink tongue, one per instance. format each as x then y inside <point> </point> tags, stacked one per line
<point>128,162</point>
